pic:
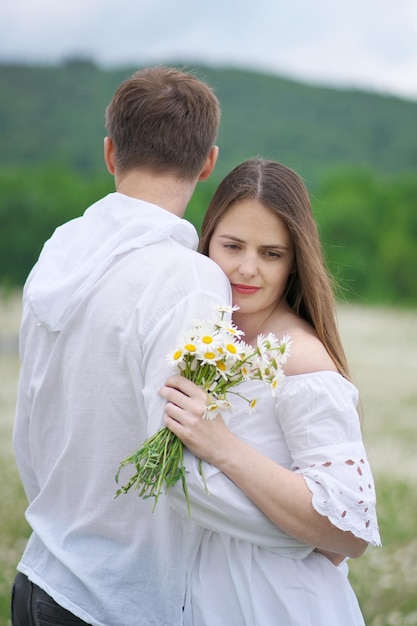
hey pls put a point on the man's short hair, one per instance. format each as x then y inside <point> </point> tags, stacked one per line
<point>164,119</point>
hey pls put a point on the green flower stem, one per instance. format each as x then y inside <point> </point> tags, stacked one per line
<point>159,465</point>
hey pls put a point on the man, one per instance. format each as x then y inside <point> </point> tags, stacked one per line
<point>106,301</point>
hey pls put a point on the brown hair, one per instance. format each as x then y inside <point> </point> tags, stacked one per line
<point>165,119</point>
<point>309,289</point>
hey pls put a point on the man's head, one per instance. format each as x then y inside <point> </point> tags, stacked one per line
<point>165,120</point>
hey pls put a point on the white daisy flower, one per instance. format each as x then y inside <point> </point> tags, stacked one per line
<point>212,355</point>
<point>226,308</point>
<point>176,357</point>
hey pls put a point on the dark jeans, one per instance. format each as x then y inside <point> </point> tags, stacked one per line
<point>31,606</point>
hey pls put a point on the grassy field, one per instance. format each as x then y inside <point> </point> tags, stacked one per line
<point>381,346</point>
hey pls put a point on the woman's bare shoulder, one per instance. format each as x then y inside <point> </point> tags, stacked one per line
<point>307,353</point>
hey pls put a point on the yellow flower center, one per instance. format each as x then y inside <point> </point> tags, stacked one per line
<point>207,339</point>
<point>190,347</point>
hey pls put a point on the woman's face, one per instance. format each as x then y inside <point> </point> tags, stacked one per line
<point>253,247</point>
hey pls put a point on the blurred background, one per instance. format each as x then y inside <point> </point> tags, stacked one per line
<point>328,88</point>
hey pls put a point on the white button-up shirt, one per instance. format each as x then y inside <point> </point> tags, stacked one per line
<point>107,300</point>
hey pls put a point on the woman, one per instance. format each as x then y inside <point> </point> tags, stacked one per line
<point>300,457</point>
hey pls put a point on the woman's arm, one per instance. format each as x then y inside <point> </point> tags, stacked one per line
<point>282,495</point>
<point>217,504</point>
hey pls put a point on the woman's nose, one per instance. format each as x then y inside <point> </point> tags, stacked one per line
<point>248,266</point>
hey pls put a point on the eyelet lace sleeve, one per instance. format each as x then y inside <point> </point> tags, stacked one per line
<point>319,419</point>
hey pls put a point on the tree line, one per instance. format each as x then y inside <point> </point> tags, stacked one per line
<point>368,225</point>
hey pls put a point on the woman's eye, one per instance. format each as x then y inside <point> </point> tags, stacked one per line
<point>270,254</point>
<point>231,246</point>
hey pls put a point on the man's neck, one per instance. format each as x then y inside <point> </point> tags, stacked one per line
<point>164,190</point>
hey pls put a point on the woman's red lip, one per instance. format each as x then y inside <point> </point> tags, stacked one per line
<point>245,289</point>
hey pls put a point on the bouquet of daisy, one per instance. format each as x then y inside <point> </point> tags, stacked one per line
<point>214,356</point>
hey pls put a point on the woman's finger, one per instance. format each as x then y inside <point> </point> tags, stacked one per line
<point>174,389</point>
<point>195,406</point>
<point>184,385</point>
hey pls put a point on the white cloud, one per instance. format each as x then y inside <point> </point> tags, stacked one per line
<point>365,43</point>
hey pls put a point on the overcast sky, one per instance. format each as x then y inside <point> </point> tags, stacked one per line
<point>368,44</point>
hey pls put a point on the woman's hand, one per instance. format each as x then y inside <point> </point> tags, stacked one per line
<point>208,440</point>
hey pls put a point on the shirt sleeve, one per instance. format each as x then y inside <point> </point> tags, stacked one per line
<point>319,418</point>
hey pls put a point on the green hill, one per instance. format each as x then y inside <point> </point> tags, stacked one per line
<point>357,152</point>
<point>56,114</point>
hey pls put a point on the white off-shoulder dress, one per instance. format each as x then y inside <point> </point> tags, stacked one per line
<point>244,570</point>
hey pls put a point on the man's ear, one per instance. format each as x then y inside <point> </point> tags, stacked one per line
<point>109,154</point>
<point>210,163</point>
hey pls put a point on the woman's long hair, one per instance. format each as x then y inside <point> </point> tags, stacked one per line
<point>309,290</point>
